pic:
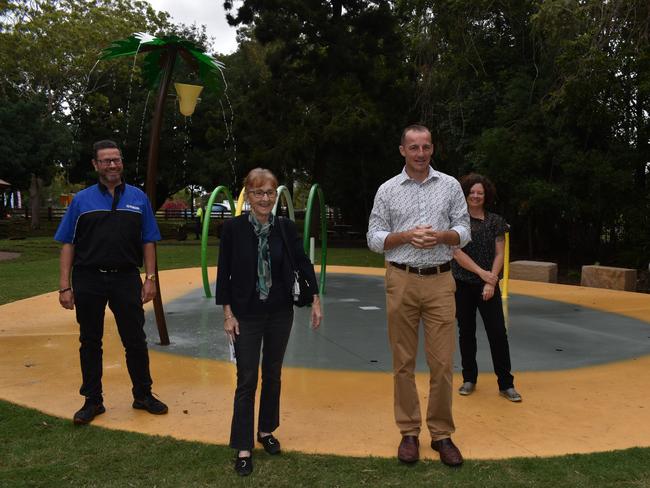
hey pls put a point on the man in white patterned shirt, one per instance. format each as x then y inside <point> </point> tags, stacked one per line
<point>418,217</point>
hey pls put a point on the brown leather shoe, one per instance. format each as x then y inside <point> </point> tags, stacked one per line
<point>449,453</point>
<point>409,449</point>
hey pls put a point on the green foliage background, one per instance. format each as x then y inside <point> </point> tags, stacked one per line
<point>550,99</point>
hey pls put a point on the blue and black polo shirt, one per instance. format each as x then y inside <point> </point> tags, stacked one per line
<point>108,231</point>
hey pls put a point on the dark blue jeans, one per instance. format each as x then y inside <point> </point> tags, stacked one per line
<point>121,291</point>
<point>468,300</point>
<point>267,333</point>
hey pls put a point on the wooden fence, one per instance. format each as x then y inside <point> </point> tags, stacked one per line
<point>56,214</point>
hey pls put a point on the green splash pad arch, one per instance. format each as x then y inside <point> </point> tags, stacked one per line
<point>315,192</point>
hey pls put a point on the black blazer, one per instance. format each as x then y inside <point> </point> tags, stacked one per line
<point>237,268</point>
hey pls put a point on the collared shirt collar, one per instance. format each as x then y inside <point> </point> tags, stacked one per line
<point>104,189</point>
<point>405,177</point>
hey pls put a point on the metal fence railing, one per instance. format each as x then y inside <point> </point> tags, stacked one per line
<point>56,213</point>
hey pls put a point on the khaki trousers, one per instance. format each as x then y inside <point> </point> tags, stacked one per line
<point>411,298</point>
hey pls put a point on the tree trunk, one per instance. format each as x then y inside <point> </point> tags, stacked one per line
<point>531,248</point>
<point>35,187</point>
<point>337,10</point>
<point>643,131</point>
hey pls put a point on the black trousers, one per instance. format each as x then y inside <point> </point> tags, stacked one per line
<point>270,331</point>
<point>121,290</point>
<point>468,300</point>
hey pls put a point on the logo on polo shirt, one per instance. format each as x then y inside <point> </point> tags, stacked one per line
<point>132,207</point>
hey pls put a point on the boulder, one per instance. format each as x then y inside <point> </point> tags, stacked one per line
<point>534,271</point>
<point>609,277</point>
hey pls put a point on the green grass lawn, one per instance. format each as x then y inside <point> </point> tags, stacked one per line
<point>37,450</point>
<point>37,269</point>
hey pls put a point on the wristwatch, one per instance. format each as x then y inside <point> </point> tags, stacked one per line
<point>151,277</point>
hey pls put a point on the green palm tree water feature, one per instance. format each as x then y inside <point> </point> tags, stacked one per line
<point>160,58</point>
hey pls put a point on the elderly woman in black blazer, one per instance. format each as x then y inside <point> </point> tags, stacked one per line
<point>255,286</point>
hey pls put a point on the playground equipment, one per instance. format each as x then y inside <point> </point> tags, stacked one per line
<point>204,233</point>
<point>283,192</point>
<point>160,58</point>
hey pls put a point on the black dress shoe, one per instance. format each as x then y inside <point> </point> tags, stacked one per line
<point>244,465</point>
<point>88,412</point>
<point>151,404</point>
<point>270,443</point>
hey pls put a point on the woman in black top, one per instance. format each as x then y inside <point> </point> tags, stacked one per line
<point>476,269</point>
<point>255,286</point>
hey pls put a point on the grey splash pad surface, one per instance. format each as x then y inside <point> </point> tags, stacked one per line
<point>543,334</point>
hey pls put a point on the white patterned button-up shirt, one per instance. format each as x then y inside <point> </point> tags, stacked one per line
<point>402,203</point>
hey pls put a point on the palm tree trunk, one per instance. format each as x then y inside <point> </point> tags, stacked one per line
<point>152,176</point>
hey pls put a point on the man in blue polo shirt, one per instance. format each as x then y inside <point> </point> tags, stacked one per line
<point>107,231</point>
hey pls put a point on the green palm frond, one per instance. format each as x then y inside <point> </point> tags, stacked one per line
<point>152,68</point>
<point>209,69</point>
<point>121,47</point>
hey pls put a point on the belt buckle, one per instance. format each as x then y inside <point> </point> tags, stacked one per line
<point>101,270</point>
<point>413,269</point>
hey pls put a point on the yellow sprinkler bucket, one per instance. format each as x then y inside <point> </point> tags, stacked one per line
<point>188,95</point>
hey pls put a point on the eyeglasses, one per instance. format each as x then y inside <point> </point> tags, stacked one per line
<point>261,193</point>
<point>107,162</point>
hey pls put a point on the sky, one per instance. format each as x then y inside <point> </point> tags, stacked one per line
<point>208,12</point>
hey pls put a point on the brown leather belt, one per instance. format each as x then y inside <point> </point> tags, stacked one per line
<point>423,271</point>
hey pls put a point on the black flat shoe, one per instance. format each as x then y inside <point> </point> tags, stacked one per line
<point>270,443</point>
<point>244,465</point>
<point>88,412</point>
<point>151,404</point>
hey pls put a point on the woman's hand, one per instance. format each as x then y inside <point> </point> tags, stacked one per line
<point>488,291</point>
<point>316,314</point>
<point>489,277</point>
<point>231,327</point>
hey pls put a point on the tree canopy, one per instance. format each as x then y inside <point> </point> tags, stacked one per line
<point>550,99</point>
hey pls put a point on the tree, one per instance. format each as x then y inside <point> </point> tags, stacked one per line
<point>52,46</point>
<point>47,53</point>
<point>544,98</point>
<point>602,92</point>
<point>335,98</point>
<point>32,144</point>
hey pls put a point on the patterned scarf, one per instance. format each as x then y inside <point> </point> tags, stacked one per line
<point>262,232</point>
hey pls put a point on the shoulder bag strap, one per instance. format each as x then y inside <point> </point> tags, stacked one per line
<point>286,243</point>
